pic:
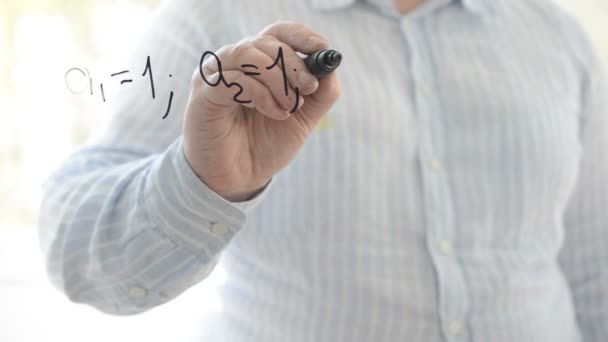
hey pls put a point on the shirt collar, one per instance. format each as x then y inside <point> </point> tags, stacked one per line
<point>475,6</point>
<point>330,4</point>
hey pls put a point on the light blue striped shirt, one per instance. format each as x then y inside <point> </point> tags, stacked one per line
<point>457,191</point>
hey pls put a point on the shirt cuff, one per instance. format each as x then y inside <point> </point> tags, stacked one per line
<point>255,200</point>
<point>187,209</point>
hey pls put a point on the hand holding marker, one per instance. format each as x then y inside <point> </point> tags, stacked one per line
<point>235,148</point>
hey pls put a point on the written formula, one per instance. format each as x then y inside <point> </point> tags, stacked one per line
<point>279,62</point>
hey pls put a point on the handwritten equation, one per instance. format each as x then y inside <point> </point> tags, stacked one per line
<point>279,62</point>
<point>147,72</point>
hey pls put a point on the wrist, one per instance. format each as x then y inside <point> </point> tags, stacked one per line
<point>241,194</point>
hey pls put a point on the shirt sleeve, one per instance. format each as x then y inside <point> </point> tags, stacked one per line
<point>584,257</point>
<point>125,224</point>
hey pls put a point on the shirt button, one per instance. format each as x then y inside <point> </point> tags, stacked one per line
<point>137,292</point>
<point>425,90</point>
<point>435,164</point>
<point>455,327</point>
<point>445,247</point>
<point>218,228</point>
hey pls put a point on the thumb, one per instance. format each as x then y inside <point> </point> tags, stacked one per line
<point>321,101</point>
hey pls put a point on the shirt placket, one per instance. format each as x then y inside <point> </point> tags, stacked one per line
<point>442,231</point>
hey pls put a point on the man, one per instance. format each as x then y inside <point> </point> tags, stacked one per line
<point>447,183</point>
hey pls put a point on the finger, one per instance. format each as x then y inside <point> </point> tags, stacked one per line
<point>245,57</point>
<point>320,102</point>
<point>296,71</point>
<point>235,88</point>
<point>298,36</point>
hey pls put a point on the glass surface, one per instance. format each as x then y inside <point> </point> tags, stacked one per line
<point>41,123</point>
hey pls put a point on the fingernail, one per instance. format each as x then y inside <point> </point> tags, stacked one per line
<point>307,82</point>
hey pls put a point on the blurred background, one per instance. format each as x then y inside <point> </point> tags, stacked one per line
<point>41,122</point>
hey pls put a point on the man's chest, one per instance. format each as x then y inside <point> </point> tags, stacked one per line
<point>453,116</point>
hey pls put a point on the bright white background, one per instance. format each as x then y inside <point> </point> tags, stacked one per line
<point>41,123</point>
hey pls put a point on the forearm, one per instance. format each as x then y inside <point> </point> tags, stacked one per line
<point>126,231</point>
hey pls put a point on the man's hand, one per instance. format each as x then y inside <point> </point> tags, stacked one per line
<point>236,148</point>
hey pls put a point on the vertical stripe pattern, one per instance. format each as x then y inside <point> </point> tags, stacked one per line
<point>457,191</point>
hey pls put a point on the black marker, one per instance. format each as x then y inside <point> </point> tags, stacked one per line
<point>323,62</point>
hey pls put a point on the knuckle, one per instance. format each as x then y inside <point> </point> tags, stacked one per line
<point>240,50</point>
<point>224,50</point>
<point>245,40</point>
<point>301,31</point>
<point>276,25</point>
<point>263,40</point>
